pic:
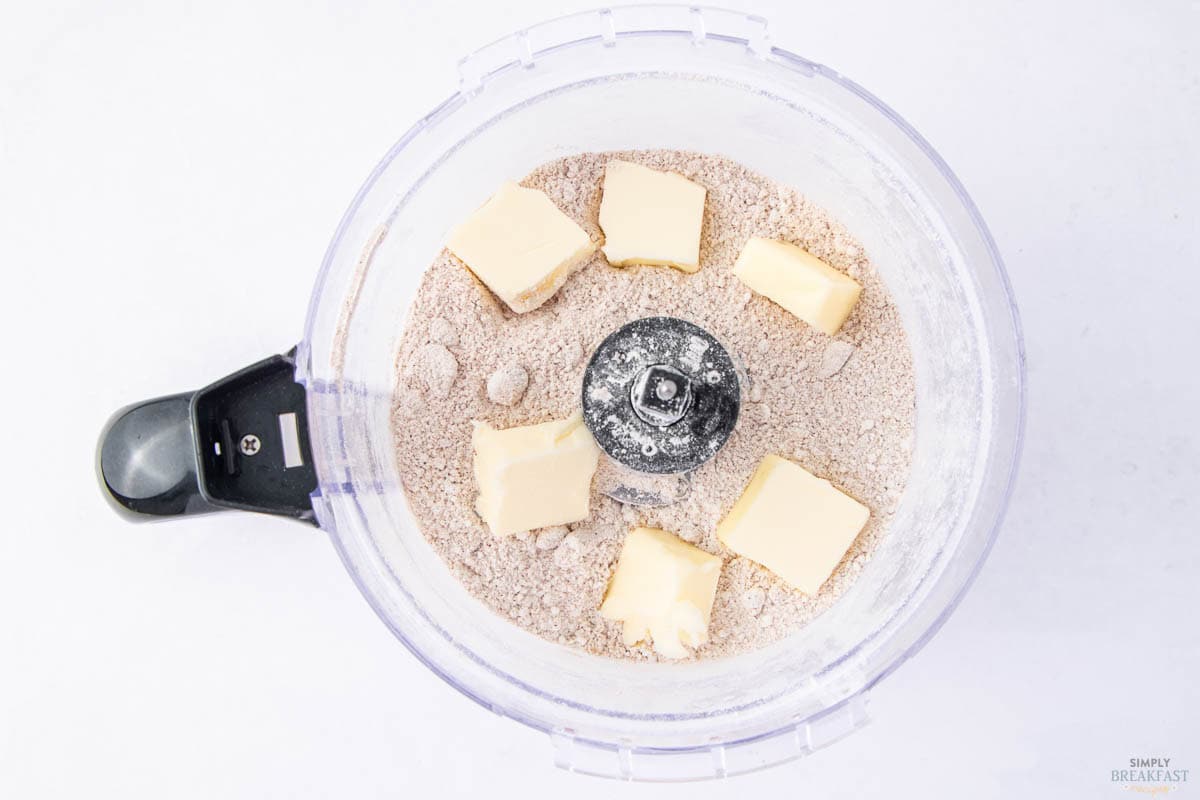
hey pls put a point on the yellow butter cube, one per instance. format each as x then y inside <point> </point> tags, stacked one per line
<point>651,217</point>
<point>521,246</point>
<point>795,524</point>
<point>799,281</point>
<point>534,476</point>
<point>663,591</point>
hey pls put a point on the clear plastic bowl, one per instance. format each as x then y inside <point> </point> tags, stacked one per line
<point>705,80</point>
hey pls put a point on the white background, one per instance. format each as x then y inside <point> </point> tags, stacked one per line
<point>169,177</point>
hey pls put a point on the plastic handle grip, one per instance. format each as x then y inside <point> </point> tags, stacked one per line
<point>239,443</point>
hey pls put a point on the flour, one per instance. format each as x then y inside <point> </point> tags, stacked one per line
<point>433,370</point>
<point>507,384</point>
<point>442,331</point>
<point>835,357</point>
<point>842,407</point>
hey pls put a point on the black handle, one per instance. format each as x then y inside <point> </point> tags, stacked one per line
<point>239,443</point>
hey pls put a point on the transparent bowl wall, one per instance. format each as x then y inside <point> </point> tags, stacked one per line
<point>704,80</point>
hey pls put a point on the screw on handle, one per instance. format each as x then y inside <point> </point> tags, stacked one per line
<point>239,443</point>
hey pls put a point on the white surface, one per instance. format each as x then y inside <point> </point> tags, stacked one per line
<point>169,177</point>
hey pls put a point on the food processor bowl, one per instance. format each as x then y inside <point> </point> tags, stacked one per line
<point>646,77</point>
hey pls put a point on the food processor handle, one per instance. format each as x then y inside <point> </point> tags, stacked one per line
<point>240,443</point>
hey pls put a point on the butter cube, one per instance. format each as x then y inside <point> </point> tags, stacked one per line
<point>793,523</point>
<point>662,590</point>
<point>651,217</point>
<point>533,476</point>
<point>521,246</point>
<point>799,281</point>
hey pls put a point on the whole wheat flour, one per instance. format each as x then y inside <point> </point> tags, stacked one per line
<point>842,407</point>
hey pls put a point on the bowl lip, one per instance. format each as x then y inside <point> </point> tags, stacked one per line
<point>794,62</point>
